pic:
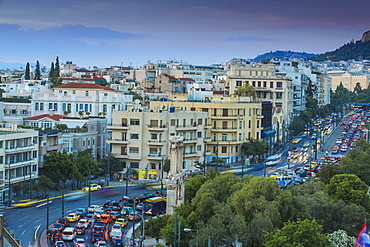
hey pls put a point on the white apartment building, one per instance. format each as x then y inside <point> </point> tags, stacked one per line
<point>18,158</point>
<point>88,99</point>
<point>140,138</point>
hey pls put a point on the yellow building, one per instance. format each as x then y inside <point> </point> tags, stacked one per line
<point>140,138</point>
<point>349,80</point>
<point>228,124</point>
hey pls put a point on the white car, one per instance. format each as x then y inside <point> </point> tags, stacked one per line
<point>93,208</point>
<point>79,242</point>
<point>101,244</point>
<point>84,222</point>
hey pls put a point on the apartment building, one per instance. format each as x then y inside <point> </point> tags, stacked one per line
<point>18,158</point>
<point>48,142</point>
<point>267,84</point>
<point>140,138</point>
<point>88,99</point>
<point>229,123</point>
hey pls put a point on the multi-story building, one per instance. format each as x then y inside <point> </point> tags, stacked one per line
<point>267,84</point>
<point>229,124</point>
<point>348,80</point>
<point>140,138</point>
<point>80,99</point>
<point>18,158</point>
<point>48,142</point>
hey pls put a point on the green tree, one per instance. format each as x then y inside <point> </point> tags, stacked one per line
<point>61,126</point>
<point>357,88</point>
<point>115,165</point>
<point>328,171</point>
<point>192,186</point>
<point>246,90</point>
<point>52,69</point>
<point>304,233</point>
<point>27,72</point>
<point>255,147</point>
<point>57,68</point>
<point>37,71</point>
<point>59,166</point>
<point>43,184</point>
<point>153,226</point>
<point>350,189</point>
<point>341,238</point>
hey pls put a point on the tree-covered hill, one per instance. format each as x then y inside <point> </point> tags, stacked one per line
<point>356,50</point>
<point>284,55</point>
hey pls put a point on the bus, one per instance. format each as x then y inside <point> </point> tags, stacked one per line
<point>155,205</point>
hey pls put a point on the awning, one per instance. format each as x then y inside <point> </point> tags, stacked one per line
<point>74,124</point>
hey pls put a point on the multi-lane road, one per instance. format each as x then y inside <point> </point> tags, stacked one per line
<point>28,223</point>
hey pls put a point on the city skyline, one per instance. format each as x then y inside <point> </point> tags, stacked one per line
<point>130,33</point>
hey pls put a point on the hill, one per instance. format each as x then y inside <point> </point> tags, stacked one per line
<point>359,50</point>
<point>4,65</point>
<point>284,55</point>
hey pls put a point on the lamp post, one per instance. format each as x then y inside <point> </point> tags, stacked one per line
<point>63,200</point>
<point>193,230</point>
<point>127,178</point>
<point>89,195</point>
<point>31,181</point>
<point>108,175</point>
<point>9,187</point>
<point>162,172</point>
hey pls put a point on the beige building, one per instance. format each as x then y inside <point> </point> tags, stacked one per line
<point>140,138</point>
<point>228,124</point>
<point>349,80</point>
<point>268,86</point>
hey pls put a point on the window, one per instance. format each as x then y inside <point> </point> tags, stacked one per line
<point>134,136</point>
<point>199,134</point>
<point>199,148</point>
<point>154,136</point>
<point>279,84</point>
<point>259,84</point>
<point>87,93</point>
<point>224,137</point>
<point>56,106</point>
<point>240,124</point>
<point>50,106</point>
<point>224,149</point>
<point>249,123</point>
<point>200,122</point>
<point>240,137</point>
<point>36,106</point>
<point>214,137</point>
<point>69,106</point>
<point>74,92</point>
<point>265,84</point>
<point>104,108</point>
<point>258,123</point>
<point>81,107</point>
<point>153,151</point>
<point>271,84</point>
<point>173,122</point>
<point>65,93</point>
<point>134,150</point>
<point>86,108</point>
<point>250,112</point>
<point>134,164</point>
<point>279,95</point>
<point>271,95</point>
<point>134,122</point>
<point>41,106</point>
<point>238,83</point>
<point>83,143</point>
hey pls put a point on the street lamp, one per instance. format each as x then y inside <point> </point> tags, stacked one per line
<point>193,230</point>
<point>162,164</point>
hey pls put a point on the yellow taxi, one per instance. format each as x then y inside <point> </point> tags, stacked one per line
<point>306,144</point>
<point>276,174</point>
<point>122,222</point>
<point>297,140</point>
<point>73,217</point>
<point>93,187</point>
<point>295,155</point>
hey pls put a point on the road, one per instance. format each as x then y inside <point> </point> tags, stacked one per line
<point>28,223</point>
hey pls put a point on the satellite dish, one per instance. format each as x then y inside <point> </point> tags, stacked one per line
<point>137,101</point>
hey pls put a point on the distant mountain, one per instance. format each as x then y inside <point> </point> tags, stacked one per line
<point>284,55</point>
<point>359,50</point>
<point>4,65</point>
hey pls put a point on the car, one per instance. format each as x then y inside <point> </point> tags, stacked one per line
<point>274,175</point>
<point>306,144</point>
<point>114,214</point>
<point>64,221</point>
<point>92,208</point>
<point>73,217</point>
<point>60,244</point>
<point>98,223</point>
<point>134,216</point>
<point>93,187</point>
<point>56,237</point>
<point>334,151</point>
<point>295,155</point>
<point>140,206</point>
<point>117,242</point>
<point>96,237</point>
<point>126,210</point>
<point>84,222</point>
<point>101,244</point>
<point>313,137</point>
<point>58,226</point>
<point>296,140</point>
<point>79,242</point>
<point>122,222</point>
<point>82,212</point>
<point>116,227</point>
<point>98,229</point>
<point>343,148</point>
<point>115,233</point>
<point>80,230</point>
<point>69,233</point>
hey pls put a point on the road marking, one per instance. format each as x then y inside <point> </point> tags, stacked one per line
<point>25,217</point>
<point>24,232</point>
<point>38,220</point>
<point>35,235</point>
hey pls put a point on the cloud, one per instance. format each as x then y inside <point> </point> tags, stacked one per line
<point>248,38</point>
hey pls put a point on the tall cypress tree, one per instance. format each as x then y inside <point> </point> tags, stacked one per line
<point>37,71</point>
<point>27,73</point>
<point>52,69</point>
<point>57,68</point>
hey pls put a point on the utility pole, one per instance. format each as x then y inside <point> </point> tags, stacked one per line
<point>108,175</point>
<point>162,173</point>
<point>89,195</point>
<point>63,200</point>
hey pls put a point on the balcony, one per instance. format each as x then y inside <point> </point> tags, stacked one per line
<point>186,127</point>
<point>122,126</point>
<point>224,129</point>
<point>154,157</point>
<point>56,147</point>
<point>231,117</point>
<point>265,89</point>
<point>157,128</point>
<point>208,126</point>
<point>191,154</point>
<point>21,149</point>
<point>188,141</point>
<point>117,141</point>
<point>156,142</point>
<point>279,89</point>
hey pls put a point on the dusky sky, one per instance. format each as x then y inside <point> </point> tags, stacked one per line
<point>131,32</point>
